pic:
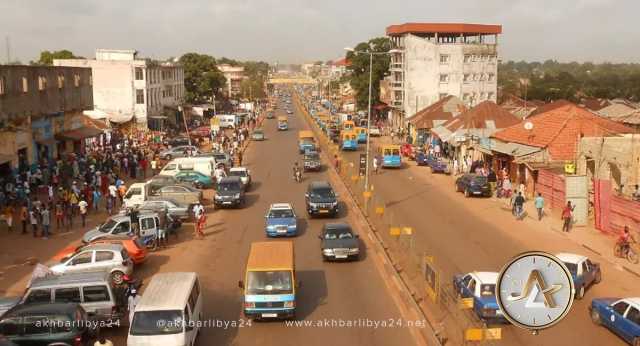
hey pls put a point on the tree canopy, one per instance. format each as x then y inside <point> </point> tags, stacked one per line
<point>359,68</point>
<point>201,77</point>
<point>46,57</point>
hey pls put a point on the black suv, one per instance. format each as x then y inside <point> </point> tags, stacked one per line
<point>229,192</point>
<point>45,324</point>
<point>321,200</point>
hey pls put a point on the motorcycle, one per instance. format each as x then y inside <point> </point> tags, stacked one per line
<point>298,176</point>
<point>503,193</point>
<point>630,251</point>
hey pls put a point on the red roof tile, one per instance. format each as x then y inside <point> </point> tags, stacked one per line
<point>560,129</point>
<point>476,118</point>
<point>550,106</point>
<point>442,110</point>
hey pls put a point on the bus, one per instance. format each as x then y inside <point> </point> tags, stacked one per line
<point>348,125</point>
<point>269,287</point>
<point>349,141</point>
<point>391,156</point>
<point>305,141</point>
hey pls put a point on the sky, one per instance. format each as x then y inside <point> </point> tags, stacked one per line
<point>297,31</point>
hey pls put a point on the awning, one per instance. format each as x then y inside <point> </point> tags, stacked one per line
<point>442,132</point>
<point>78,134</point>
<point>120,118</point>
<point>48,141</point>
<point>513,149</point>
<point>95,114</point>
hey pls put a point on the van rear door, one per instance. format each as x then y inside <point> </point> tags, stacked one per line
<point>148,226</point>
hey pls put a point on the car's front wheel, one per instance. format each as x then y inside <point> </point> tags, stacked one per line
<point>117,277</point>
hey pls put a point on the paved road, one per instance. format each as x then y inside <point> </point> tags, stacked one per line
<point>331,291</point>
<point>467,235</point>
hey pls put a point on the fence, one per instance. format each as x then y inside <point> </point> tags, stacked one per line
<point>415,262</point>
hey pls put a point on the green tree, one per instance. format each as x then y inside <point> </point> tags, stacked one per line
<point>201,77</point>
<point>359,69</point>
<point>46,57</point>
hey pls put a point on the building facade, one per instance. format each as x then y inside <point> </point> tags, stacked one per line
<point>433,60</point>
<point>234,76</point>
<point>41,113</point>
<point>128,88</point>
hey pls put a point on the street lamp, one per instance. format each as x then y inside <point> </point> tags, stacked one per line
<point>371,54</point>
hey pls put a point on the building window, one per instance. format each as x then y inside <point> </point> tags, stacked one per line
<point>139,75</point>
<point>467,58</point>
<point>444,78</point>
<point>90,79</point>
<point>444,58</point>
<point>466,78</point>
<point>25,85</point>
<point>491,96</point>
<point>2,86</point>
<point>492,77</point>
<point>42,83</point>
<point>60,81</point>
<point>139,96</point>
<point>76,80</point>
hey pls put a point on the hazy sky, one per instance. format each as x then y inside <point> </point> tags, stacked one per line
<point>302,30</point>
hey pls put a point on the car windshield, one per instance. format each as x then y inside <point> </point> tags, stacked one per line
<point>480,180</point>
<point>573,268</point>
<point>280,213</point>
<point>238,173</point>
<point>269,282</point>
<point>220,157</point>
<point>156,322</point>
<point>487,290</point>
<point>229,187</point>
<point>322,193</point>
<point>107,226</point>
<point>311,157</point>
<point>392,152</point>
<point>338,234</point>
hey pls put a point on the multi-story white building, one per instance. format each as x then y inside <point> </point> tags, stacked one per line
<point>126,87</point>
<point>234,76</point>
<point>433,60</point>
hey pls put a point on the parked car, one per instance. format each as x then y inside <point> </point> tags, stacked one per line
<point>320,199</point>
<point>422,159</point>
<point>94,291</point>
<point>473,185</point>
<point>281,220</point>
<point>197,179</point>
<point>480,286</point>
<point>311,161</point>
<point>258,135</point>
<point>374,132</point>
<point>178,141</point>
<point>584,272</point>
<point>112,258</point>
<point>23,325</point>
<point>181,193</point>
<point>159,181</point>
<point>244,174</point>
<point>175,209</point>
<point>135,248</point>
<point>338,242</point>
<point>229,192</point>
<point>179,151</point>
<point>619,315</point>
<point>223,158</point>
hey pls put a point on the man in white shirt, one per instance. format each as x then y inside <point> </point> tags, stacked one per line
<point>82,205</point>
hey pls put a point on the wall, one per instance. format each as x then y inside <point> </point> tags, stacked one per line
<point>422,70</point>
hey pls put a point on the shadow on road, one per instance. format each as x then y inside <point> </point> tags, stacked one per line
<point>311,293</point>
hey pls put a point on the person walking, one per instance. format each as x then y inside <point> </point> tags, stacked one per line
<point>567,216</point>
<point>519,206</point>
<point>97,195</point>
<point>8,217</point>
<point>59,215</point>
<point>375,165</point>
<point>33,219</point>
<point>45,215</point>
<point>240,158</point>
<point>132,302</point>
<point>83,206</point>
<point>24,216</point>
<point>539,202</point>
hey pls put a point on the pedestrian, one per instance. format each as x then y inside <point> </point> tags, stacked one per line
<point>375,165</point>
<point>239,158</point>
<point>97,195</point>
<point>567,216</point>
<point>68,212</point>
<point>8,217</point>
<point>492,179</point>
<point>336,163</point>
<point>83,207</point>
<point>132,301</point>
<point>519,205</point>
<point>59,215</point>
<point>45,215</point>
<point>33,219</point>
<point>110,202</point>
<point>24,216</point>
<point>154,166</point>
<point>539,202</point>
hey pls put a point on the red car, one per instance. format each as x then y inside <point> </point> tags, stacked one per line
<point>407,150</point>
<point>136,249</point>
<point>202,131</point>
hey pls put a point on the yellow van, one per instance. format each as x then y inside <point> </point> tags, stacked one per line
<point>269,286</point>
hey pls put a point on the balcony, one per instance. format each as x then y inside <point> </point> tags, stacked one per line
<point>395,66</point>
<point>397,103</point>
<point>396,85</point>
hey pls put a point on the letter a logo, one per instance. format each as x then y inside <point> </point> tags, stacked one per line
<point>534,286</point>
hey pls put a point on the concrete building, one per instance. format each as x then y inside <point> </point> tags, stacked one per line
<point>439,59</point>
<point>41,113</point>
<point>234,76</point>
<point>126,87</point>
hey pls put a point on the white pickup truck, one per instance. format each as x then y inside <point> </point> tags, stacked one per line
<point>138,193</point>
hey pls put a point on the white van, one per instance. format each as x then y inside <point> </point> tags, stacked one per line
<point>203,164</point>
<point>227,120</point>
<point>169,311</point>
